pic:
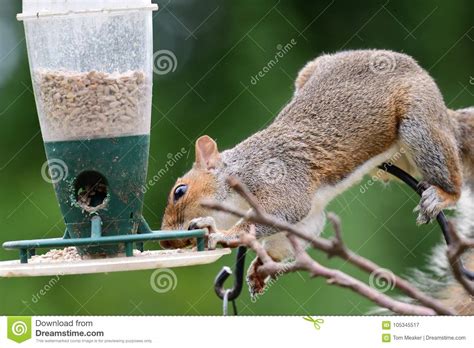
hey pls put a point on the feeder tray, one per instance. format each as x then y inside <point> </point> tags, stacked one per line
<point>152,260</point>
<point>99,264</point>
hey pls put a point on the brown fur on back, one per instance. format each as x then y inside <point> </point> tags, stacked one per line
<point>341,115</point>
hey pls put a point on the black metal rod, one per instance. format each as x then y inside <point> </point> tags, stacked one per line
<point>238,277</point>
<point>441,218</point>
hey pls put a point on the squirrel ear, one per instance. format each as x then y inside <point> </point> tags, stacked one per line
<point>207,155</point>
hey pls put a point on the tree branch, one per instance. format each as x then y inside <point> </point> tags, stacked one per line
<point>334,277</point>
<point>332,247</point>
<point>456,248</point>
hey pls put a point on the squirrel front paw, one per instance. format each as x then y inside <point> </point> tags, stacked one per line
<point>213,235</point>
<point>431,204</point>
<point>208,223</point>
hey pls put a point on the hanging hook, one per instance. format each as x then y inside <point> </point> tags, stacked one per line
<point>231,294</point>
<point>441,218</point>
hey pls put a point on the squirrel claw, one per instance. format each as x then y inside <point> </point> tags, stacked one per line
<point>213,235</point>
<point>208,223</point>
<point>430,206</point>
<point>215,239</point>
<point>203,223</point>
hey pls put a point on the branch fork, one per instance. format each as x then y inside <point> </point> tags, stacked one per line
<point>335,247</point>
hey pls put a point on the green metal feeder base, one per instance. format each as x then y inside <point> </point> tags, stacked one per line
<point>149,260</point>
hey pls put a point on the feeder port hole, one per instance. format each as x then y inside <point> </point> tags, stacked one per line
<point>90,191</point>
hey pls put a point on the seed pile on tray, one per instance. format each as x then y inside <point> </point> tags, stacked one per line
<point>70,254</point>
<point>84,105</point>
<point>57,255</point>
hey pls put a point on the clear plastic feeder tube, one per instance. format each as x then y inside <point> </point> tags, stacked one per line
<point>91,66</point>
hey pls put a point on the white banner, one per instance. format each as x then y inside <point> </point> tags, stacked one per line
<point>236,332</point>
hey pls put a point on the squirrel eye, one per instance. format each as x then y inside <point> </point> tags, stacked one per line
<point>179,192</point>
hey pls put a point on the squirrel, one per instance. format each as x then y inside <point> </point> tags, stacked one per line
<point>350,111</point>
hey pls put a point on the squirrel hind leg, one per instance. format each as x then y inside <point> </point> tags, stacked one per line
<point>436,157</point>
<point>433,201</point>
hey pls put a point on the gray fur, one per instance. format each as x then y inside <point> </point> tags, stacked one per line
<point>340,117</point>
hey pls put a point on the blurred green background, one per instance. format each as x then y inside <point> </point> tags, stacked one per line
<point>219,46</point>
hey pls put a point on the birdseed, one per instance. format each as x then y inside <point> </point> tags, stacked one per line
<point>85,105</point>
<point>70,254</point>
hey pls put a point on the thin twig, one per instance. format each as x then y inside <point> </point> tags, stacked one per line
<point>334,277</point>
<point>371,267</point>
<point>457,246</point>
<point>333,247</point>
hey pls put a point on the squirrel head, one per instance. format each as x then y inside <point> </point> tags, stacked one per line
<point>187,193</point>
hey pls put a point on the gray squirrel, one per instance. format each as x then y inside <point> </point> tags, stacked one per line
<point>350,112</point>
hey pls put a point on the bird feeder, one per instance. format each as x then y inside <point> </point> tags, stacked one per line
<point>91,67</point>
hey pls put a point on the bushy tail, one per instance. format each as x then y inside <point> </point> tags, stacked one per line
<point>437,279</point>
